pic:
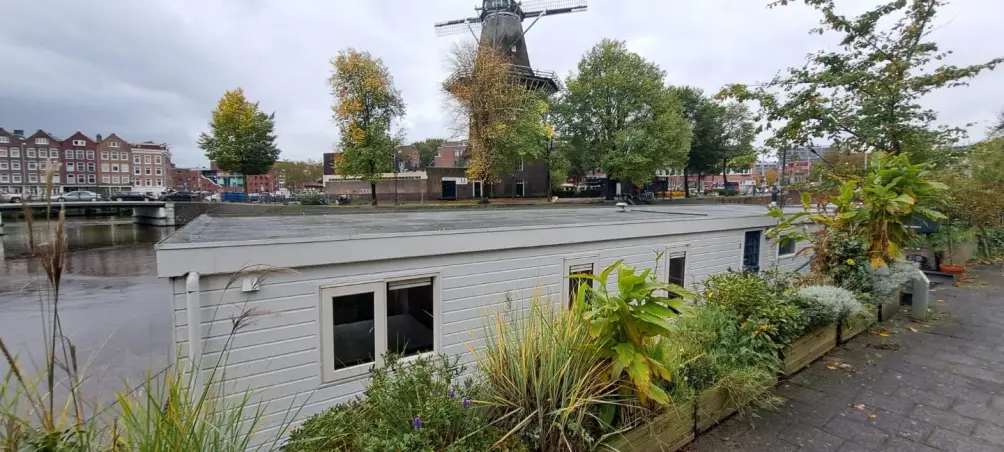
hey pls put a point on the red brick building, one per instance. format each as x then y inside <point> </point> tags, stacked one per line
<point>80,162</point>
<point>114,164</point>
<point>452,154</point>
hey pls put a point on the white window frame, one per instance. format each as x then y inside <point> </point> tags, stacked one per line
<point>105,168</point>
<point>3,152</point>
<point>113,144</point>
<point>33,165</point>
<point>147,171</point>
<point>325,335</point>
<point>673,251</point>
<point>5,177</point>
<point>4,140</point>
<point>71,179</point>
<point>104,155</point>
<point>520,166</point>
<point>115,179</point>
<point>146,159</point>
<point>32,178</point>
<point>566,268</point>
<point>91,179</point>
<point>115,155</point>
<point>15,178</point>
<point>79,143</point>
<point>124,168</point>
<point>43,153</point>
<point>44,141</point>
<point>68,153</point>
<point>80,154</point>
<point>157,160</point>
<point>15,152</point>
<point>4,165</point>
<point>30,153</point>
<point>160,182</point>
<point>90,167</point>
<point>90,155</point>
<point>742,247</point>
<point>135,159</point>
<point>159,171</point>
<point>791,255</point>
<point>15,165</point>
<point>137,171</point>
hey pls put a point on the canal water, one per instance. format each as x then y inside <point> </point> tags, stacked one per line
<point>112,306</point>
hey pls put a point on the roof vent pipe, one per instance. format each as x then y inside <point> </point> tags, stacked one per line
<point>622,206</point>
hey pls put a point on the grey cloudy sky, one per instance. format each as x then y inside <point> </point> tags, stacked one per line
<point>154,69</point>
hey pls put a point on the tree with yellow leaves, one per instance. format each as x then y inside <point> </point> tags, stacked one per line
<point>770,176</point>
<point>366,103</point>
<point>241,137</point>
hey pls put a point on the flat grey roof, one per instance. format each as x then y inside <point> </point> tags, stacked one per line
<point>223,230</point>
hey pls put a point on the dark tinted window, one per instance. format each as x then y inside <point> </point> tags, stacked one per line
<point>353,329</point>
<point>409,316</point>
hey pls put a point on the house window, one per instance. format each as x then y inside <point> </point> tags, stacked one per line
<point>3,164</point>
<point>578,266</point>
<point>104,155</point>
<point>69,154</point>
<point>71,179</point>
<point>519,167</point>
<point>104,167</point>
<point>42,165</point>
<point>105,179</point>
<point>3,152</point>
<point>15,178</point>
<point>42,154</point>
<point>69,166</point>
<point>359,323</point>
<point>33,165</point>
<point>113,144</point>
<point>135,159</point>
<point>79,143</point>
<point>90,178</point>
<point>44,141</point>
<point>115,155</point>
<point>160,182</point>
<point>32,178</point>
<point>15,152</point>
<point>90,155</point>
<point>676,269</point>
<point>147,170</point>
<point>4,177</point>
<point>156,160</point>
<point>80,155</point>
<point>15,164</point>
<point>30,153</point>
<point>4,140</point>
<point>136,171</point>
<point>124,168</point>
<point>115,179</point>
<point>146,159</point>
<point>160,172</point>
<point>90,167</point>
<point>148,184</point>
<point>786,248</point>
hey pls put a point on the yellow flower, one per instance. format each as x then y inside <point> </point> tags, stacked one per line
<point>764,327</point>
<point>710,294</point>
<point>850,261</point>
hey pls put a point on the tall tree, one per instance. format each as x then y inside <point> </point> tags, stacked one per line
<point>866,94</point>
<point>737,151</point>
<point>298,173</point>
<point>503,120</point>
<point>241,137</point>
<point>366,103</point>
<point>427,150</point>
<point>709,132</point>
<point>618,113</point>
<point>770,176</point>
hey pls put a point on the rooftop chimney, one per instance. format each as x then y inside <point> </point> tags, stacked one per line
<point>19,133</point>
<point>99,138</point>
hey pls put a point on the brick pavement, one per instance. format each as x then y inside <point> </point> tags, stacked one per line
<point>905,387</point>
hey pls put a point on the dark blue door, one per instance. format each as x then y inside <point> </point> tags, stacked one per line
<point>751,251</point>
<point>449,189</point>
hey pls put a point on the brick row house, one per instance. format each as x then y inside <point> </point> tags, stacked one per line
<point>79,162</point>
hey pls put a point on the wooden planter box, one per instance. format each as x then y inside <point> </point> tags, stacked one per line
<point>712,407</point>
<point>887,309</point>
<point>854,326</point>
<point>809,348</point>
<point>666,433</point>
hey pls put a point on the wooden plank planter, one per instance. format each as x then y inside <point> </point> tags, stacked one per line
<point>809,348</point>
<point>712,407</point>
<point>854,326</point>
<point>666,433</point>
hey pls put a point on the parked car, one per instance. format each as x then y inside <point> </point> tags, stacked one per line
<point>76,196</point>
<point>130,196</point>
<point>215,197</point>
<point>181,196</point>
<point>12,197</point>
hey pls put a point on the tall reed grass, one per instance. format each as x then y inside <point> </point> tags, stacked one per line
<point>46,409</point>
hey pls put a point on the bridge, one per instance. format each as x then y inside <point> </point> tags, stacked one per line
<point>153,213</point>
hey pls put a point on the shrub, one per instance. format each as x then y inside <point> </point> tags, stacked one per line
<point>544,383</point>
<point>312,199</point>
<point>410,405</point>
<point>757,306</point>
<point>887,279</point>
<point>838,303</point>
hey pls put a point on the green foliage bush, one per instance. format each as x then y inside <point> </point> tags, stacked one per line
<point>312,199</point>
<point>831,303</point>
<point>760,309</point>
<point>887,279</point>
<point>410,405</point>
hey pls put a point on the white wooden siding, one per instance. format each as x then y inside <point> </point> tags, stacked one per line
<point>276,355</point>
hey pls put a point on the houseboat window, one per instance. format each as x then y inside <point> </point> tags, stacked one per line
<point>409,316</point>
<point>677,269</point>
<point>575,283</point>
<point>786,247</point>
<point>352,329</point>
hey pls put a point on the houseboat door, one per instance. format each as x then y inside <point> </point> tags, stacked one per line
<point>449,189</point>
<point>477,188</point>
<point>751,251</point>
<point>520,188</point>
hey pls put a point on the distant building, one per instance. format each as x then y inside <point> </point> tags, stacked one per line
<point>151,163</point>
<point>114,164</point>
<point>451,154</point>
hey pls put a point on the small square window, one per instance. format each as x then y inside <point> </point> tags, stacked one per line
<point>146,159</point>
<point>786,248</point>
<point>147,170</point>
<point>160,182</point>
<point>30,153</point>
<point>578,266</point>
<point>90,166</point>
<point>15,152</point>
<point>80,155</point>
<point>677,271</point>
<point>135,159</point>
<point>136,171</point>
<point>15,164</point>
<point>32,165</point>
<point>148,183</point>
<point>4,165</point>
<point>104,167</point>
<point>4,177</point>
<point>113,144</point>
<point>42,141</point>
<point>160,172</point>
<point>69,154</point>
<point>90,178</point>
<point>90,155</point>
<point>33,178</point>
<point>105,179</point>
<point>156,160</point>
<point>16,178</point>
<point>115,179</point>
<point>4,140</point>
<point>42,154</point>
<point>115,155</point>
<point>3,152</point>
<point>410,317</point>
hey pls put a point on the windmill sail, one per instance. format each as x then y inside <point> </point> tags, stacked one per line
<point>536,8</point>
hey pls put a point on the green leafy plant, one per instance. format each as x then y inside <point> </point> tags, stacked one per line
<point>771,320</point>
<point>622,323</point>
<point>544,382</point>
<point>417,404</point>
<point>886,280</point>
<point>838,302</point>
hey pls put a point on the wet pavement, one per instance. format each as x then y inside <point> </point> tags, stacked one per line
<point>112,306</point>
<point>936,386</point>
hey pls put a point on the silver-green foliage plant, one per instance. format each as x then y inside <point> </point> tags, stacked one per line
<point>886,280</point>
<point>839,301</point>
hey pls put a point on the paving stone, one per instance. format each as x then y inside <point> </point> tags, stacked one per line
<point>976,372</point>
<point>800,393</point>
<point>925,397</point>
<point>897,444</point>
<point>980,412</point>
<point>859,432</point>
<point>898,425</point>
<point>885,401</point>
<point>990,433</point>
<point>956,442</point>
<point>943,419</point>
<point>811,438</point>
<point>816,415</point>
<point>851,446</point>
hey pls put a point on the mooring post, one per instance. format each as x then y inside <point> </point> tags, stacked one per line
<point>921,293</point>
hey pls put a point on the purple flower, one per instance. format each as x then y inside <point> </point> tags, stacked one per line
<point>466,403</point>
<point>417,422</point>
<point>451,394</point>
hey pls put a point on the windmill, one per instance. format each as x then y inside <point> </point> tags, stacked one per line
<point>500,23</point>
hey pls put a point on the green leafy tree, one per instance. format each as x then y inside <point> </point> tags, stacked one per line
<point>298,173</point>
<point>722,134</point>
<point>619,115</point>
<point>866,94</point>
<point>366,103</point>
<point>736,149</point>
<point>427,151</point>
<point>241,137</point>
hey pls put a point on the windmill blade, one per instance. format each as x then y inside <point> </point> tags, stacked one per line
<point>455,27</point>
<point>537,8</point>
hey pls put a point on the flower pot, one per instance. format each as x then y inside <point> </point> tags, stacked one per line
<point>947,268</point>
<point>668,432</point>
<point>809,348</point>
<point>853,326</point>
<point>712,407</point>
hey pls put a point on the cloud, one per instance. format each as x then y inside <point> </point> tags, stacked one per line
<point>153,70</point>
